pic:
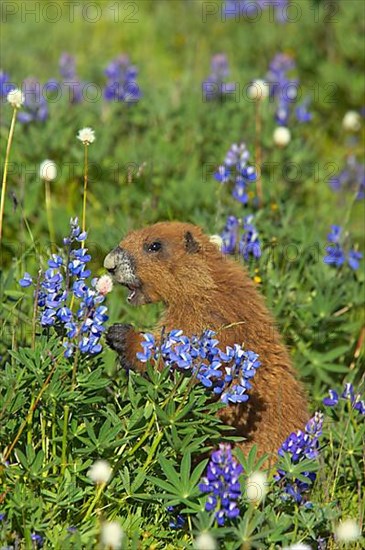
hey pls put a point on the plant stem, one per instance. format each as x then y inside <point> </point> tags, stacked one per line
<point>47,193</point>
<point>258,151</point>
<point>6,164</point>
<point>32,408</point>
<point>85,192</point>
<point>100,488</point>
<point>66,412</point>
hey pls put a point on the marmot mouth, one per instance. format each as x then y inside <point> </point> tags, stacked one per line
<point>134,290</point>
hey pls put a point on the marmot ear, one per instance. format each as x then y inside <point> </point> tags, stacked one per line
<point>191,245</point>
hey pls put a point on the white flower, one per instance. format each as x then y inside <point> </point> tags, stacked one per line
<point>298,546</point>
<point>104,284</point>
<point>216,239</point>
<point>258,90</point>
<point>86,135</point>
<point>347,530</point>
<point>48,170</point>
<point>100,472</point>
<point>256,486</point>
<point>281,136</point>
<point>111,534</point>
<point>205,541</point>
<point>352,121</point>
<point>16,98</point>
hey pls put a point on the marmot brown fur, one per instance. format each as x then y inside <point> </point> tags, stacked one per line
<point>202,289</point>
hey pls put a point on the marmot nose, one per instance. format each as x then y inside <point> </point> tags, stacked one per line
<point>111,260</point>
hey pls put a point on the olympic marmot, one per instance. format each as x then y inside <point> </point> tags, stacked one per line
<point>202,289</point>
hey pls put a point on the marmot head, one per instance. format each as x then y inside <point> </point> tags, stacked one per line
<point>163,262</point>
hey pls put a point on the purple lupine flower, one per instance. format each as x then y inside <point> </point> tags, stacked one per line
<point>237,170</point>
<point>37,539</point>
<point>222,485</point>
<point>301,445</point>
<point>5,85</point>
<point>230,235</point>
<point>178,520</point>
<point>226,373</point>
<point>26,280</point>
<point>64,280</point>
<point>284,91</point>
<point>335,253</point>
<point>122,81</point>
<point>349,395</point>
<point>350,178</point>
<point>215,85</point>
<point>250,243</point>
<point>35,106</point>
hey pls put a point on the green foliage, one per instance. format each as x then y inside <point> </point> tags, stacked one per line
<point>152,161</point>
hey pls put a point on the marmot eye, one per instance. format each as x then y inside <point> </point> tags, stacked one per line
<point>154,247</point>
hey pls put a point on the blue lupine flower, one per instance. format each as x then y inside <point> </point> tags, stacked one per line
<point>2,516</point>
<point>37,539</point>
<point>301,445</point>
<point>222,174</point>
<point>122,84</point>
<point>350,178</point>
<point>215,85</point>
<point>214,368</point>
<point>61,280</point>
<point>284,90</point>
<point>302,113</point>
<point>336,255</point>
<point>354,258</point>
<point>5,85</point>
<point>26,280</point>
<point>222,485</point>
<point>250,243</point>
<point>230,235</point>
<point>236,170</point>
<point>35,107</point>
<point>349,395</point>
<point>178,520</point>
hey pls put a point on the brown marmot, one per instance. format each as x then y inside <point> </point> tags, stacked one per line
<point>202,289</point>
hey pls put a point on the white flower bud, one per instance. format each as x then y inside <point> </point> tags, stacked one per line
<point>205,541</point>
<point>347,530</point>
<point>104,284</point>
<point>86,135</point>
<point>258,90</point>
<point>217,240</point>
<point>111,535</point>
<point>351,121</point>
<point>15,98</point>
<point>48,170</point>
<point>100,472</point>
<point>281,136</point>
<point>256,488</point>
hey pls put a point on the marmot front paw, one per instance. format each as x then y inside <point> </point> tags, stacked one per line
<point>117,339</point>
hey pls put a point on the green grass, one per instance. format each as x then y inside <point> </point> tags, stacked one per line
<point>181,139</point>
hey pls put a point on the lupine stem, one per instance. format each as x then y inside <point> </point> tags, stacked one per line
<point>6,164</point>
<point>99,490</point>
<point>47,192</point>
<point>258,151</point>
<point>32,408</point>
<point>66,412</point>
<point>85,191</point>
